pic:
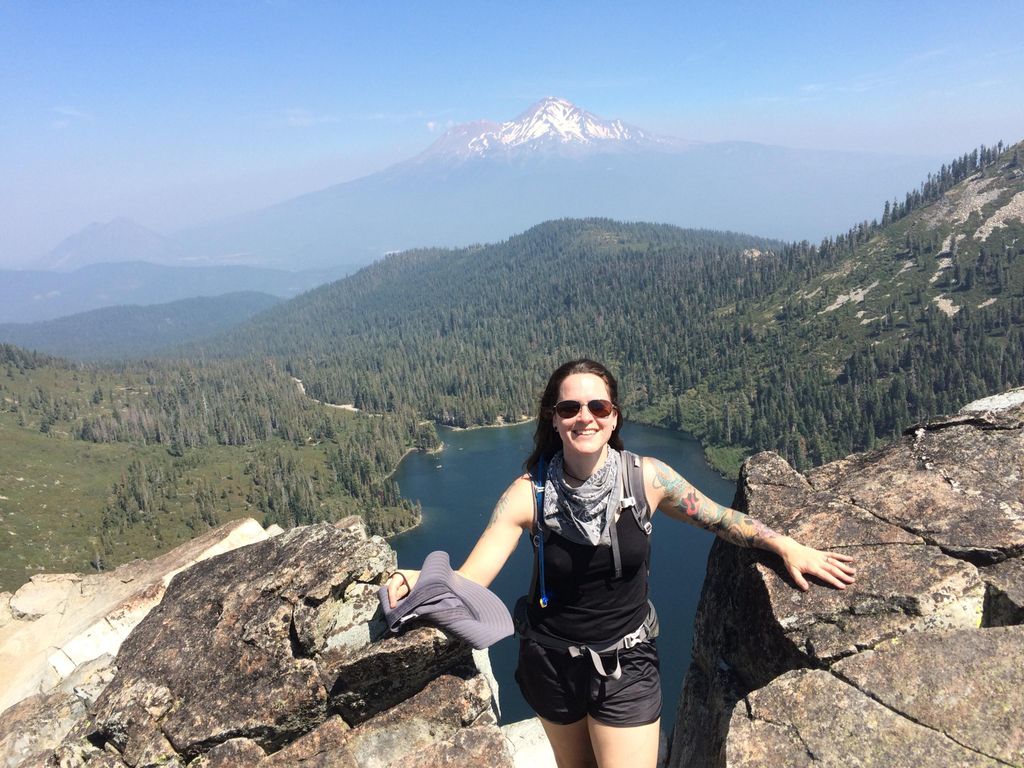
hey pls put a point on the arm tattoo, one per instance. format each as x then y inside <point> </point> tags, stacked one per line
<point>499,509</point>
<point>690,504</point>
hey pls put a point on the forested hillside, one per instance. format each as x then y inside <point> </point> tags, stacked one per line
<point>812,350</point>
<point>467,336</point>
<point>100,465</point>
<point>124,332</point>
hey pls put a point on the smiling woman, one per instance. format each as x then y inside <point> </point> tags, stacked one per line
<point>588,659</point>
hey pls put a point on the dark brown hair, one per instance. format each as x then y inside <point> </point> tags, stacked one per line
<point>546,440</point>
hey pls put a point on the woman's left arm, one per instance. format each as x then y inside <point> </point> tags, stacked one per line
<point>670,492</point>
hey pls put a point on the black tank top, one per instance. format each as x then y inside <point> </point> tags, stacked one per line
<point>587,604</point>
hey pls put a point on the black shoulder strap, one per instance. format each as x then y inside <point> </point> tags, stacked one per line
<point>631,472</point>
<point>633,493</point>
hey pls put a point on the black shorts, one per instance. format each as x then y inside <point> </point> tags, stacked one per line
<point>563,689</point>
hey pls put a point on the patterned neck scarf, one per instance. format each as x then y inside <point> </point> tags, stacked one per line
<point>583,514</point>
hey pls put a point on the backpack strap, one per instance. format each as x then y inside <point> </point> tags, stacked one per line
<point>539,479</point>
<point>631,472</point>
<point>634,474</point>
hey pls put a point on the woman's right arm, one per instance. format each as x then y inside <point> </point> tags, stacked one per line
<point>512,515</point>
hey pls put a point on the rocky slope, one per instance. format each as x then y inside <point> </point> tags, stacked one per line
<point>920,662</point>
<point>56,625</point>
<point>270,655</point>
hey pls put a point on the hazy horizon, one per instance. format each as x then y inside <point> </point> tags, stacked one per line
<point>175,114</point>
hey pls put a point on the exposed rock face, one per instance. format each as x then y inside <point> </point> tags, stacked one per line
<point>918,663</point>
<point>57,622</point>
<point>38,722</point>
<point>271,655</point>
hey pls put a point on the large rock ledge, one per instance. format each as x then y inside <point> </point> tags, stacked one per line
<point>271,654</point>
<point>919,662</point>
<point>56,623</point>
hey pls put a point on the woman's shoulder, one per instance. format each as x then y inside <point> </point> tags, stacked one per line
<point>525,477</point>
<point>652,464</point>
<point>648,464</point>
<point>657,476</point>
<point>521,490</point>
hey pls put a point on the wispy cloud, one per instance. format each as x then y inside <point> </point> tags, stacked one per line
<point>297,117</point>
<point>437,125</point>
<point>434,120</point>
<point>766,99</point>
<point>869,82</point>
<point>72,112</point>
<point>66,116</point>
<point>403,117</point>
<point>934,53</point>
<point>891,77</point>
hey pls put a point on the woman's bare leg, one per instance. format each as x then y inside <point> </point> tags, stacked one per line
<point>571,743</point>
<point>629,747</point>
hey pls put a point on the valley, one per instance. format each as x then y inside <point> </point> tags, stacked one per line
<point>812,350</point>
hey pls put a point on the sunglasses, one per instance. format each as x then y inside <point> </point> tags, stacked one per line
<point>600,409</point>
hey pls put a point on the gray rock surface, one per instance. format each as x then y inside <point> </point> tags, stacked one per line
<point>809,717</point>
<point>917,663</point>
<point>56,623</point>
<point>529,745</point>
<point>974,697</point>
<point>34,724</point>
<point>273,655</point>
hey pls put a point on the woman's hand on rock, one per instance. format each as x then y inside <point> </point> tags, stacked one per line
<point>400,584</point>
<point>830,567</point>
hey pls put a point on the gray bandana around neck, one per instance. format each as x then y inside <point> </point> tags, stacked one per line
<point>583,514</point>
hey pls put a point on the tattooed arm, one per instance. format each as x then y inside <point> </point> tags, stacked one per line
<point>679,499</point>
<point>668,491</point>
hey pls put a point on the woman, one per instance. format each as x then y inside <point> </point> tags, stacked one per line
<point>605,710</point>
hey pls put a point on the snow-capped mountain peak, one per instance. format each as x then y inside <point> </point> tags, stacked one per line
<point>559,120</point>
<point>552,125</point>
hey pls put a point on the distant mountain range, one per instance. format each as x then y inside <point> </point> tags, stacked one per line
<point>33,295</point>
<point>118,333</point>
<point>119,240</point>
<point>484,181</point>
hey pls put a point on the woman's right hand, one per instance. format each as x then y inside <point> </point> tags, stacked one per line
<point>400,584</point>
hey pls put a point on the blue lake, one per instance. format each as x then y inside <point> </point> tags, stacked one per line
<point>459,486</point>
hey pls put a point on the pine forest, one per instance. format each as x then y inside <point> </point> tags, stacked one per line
<point>302,413</point>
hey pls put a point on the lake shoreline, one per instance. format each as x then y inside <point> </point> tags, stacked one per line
<point>497,425</point>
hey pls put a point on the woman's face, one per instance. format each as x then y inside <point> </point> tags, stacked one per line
<point>584,433</point>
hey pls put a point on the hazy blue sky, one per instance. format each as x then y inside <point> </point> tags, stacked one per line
<point>175,112</point>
